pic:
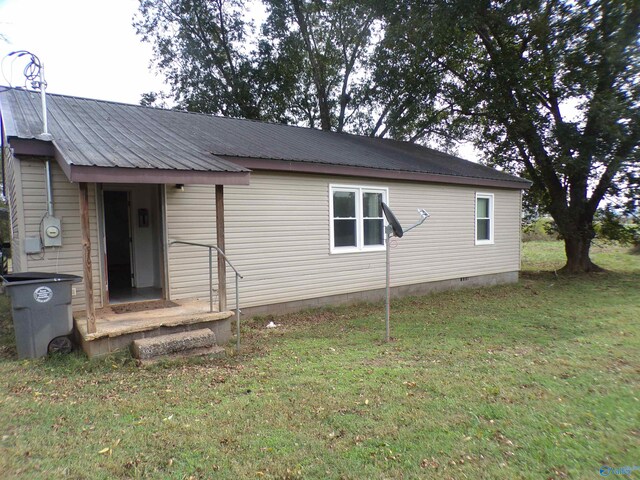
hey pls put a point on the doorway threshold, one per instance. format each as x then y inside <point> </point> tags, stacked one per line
<point>129,295</point>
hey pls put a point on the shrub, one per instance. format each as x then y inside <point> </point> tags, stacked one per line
<point>539,229</point>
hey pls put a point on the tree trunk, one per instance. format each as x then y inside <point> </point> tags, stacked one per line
<point>317,69</point>
<point>325,110</point>
<point>577,248</point>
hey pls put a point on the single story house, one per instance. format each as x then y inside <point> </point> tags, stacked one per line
<point>129,197</point>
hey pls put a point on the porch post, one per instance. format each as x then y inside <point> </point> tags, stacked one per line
<point>86,257</point>
<point>222,266</point>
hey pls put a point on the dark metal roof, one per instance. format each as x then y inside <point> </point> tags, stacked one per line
<point>105,134</point>
<point>96,133</point>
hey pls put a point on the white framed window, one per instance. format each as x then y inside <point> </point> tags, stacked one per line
<point>357,222</point>
<point>484,218</point>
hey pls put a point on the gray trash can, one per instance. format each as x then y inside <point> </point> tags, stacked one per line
<point>41,310</point>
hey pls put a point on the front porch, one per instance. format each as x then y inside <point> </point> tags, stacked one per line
<point>117,324</point>
<point>116,331</point>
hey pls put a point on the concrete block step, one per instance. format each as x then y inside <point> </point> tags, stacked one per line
<point>175,343</point>
<point>215,351</point>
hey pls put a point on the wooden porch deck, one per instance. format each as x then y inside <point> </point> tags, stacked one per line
<point>115,331</point>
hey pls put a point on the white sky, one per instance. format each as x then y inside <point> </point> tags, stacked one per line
<point>89,49</point>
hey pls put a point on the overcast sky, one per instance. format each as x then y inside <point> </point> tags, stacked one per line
<point>89,47</point>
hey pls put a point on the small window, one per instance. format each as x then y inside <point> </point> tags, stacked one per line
<point>357,222</point>
<point>484,218</point>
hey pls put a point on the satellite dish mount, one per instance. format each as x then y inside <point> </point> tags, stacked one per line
<point>394,229</point>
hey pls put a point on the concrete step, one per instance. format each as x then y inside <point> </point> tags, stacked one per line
<point>214,351</point>
<point>196,342</point>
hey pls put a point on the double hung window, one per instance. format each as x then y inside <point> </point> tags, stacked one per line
<point>357,222</point>
<point>484,218</point>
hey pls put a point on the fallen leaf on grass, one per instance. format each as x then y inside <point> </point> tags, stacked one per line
<point>429,463</point>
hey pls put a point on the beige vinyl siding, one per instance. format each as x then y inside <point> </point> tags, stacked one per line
<point>190,217</point>
<point>444,246</point>
<point>68,258</point>
<point>14,194</point>
<point>277,235</point>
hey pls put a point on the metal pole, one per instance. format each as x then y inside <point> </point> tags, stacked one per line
<point>237,316</point>
<point>210,281</point>
<point>47,170</point>
<point>43,99</point>
<point>386,337</point>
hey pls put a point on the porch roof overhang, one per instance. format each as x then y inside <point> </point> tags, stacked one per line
<point>118,174</point>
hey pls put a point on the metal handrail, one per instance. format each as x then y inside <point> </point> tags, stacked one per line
<point>238,276</point>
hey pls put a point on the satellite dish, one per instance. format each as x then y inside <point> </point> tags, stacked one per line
<point>393,221</point>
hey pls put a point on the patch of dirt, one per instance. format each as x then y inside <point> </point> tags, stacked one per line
<point>538,275</point>
<point>8,351</point>
<point>318,315</point>
<point>143,306</point>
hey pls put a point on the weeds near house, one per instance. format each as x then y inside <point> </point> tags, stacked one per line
<point>534,380</point>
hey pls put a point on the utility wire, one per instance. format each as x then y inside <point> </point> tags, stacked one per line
<point>31,70</point>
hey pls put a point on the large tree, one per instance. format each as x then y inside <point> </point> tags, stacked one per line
<point>327,43</point>
<point>551,88</point>
<point>305,65</point>
<point>200,47</point>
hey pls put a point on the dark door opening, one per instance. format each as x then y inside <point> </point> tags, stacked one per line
<point>133,249</point>
<point>118,242</point>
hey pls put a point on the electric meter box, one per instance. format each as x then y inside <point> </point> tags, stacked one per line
<point>52,232</point>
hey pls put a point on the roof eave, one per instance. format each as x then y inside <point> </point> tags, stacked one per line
<point>95,174</point>
<point>81,173</point>
<point>351,171</point>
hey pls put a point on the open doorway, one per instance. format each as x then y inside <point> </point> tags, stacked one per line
<point>132,243</point>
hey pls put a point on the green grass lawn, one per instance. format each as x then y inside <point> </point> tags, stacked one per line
<point>536,380</point>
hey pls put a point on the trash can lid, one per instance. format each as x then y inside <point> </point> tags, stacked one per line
<point>22,278</point>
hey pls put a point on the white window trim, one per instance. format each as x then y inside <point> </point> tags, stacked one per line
<point>491,240</point>
<point>359,189</point>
